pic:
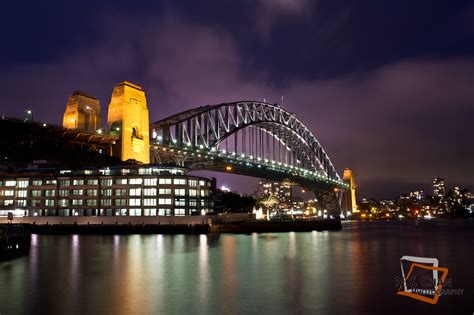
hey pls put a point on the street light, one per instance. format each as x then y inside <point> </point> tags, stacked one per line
<point>29,113</point>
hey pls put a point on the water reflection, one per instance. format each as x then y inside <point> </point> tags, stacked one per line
<point>348,271</point>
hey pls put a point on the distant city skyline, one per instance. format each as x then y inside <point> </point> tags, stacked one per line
<point>370,80</point>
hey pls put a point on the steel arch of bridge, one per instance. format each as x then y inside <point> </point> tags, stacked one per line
<point>196,138</point>
<point>207,126</point>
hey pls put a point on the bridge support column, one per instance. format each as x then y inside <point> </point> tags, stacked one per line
<point>330,201</point>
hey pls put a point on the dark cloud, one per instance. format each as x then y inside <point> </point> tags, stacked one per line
<point>398,123</point>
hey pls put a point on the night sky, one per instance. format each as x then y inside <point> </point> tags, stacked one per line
<point>387,87</point>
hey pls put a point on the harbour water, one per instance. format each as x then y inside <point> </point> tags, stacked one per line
<point>350,271</point>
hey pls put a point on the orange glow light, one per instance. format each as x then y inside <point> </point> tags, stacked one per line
<point>228,168</point>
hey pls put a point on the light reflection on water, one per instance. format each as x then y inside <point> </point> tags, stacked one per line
<point>352,270</point>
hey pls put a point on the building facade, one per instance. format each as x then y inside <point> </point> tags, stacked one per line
<point>83,113</point>
<point>281,190</point>
<point>151,190</point>
<point>438,187</point>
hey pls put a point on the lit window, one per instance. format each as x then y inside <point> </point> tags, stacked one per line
<point>8,202</point>
<point>136,181</point>
<point>120,202</point>
<point>164,212</point>
<point>10,183</point>
<point>149,202</point>
<point>121,181</point>
<point>106,182</point>
<point>149,192</point>
<point>63,202</point>
<point>9,193</point>
<point>135,202</point>
<point>202,182</point>
<point>64,183</point>
<point>36,182</point>
<point>135,192</point>
<point>192,193</point>
<point>63,192</point>
<point>78,192</point>
<point>164,201</point>
<point>106,202</point>
<point>23,183</point>
<point>77,202</point>
<point>91,202</point>
<point>164,181</point>
<point>21,203</point>
<point>192,183</point>
<point>92,182</point>
<point>180,192</point>
<point>106,192</point>
<point>49,203</point>
<point>179,181</point>
<point>135,212</point>
<point>165,191</point>
<point>180,202</point>
<point>149,212</point>
<point>49,193</point>
<point>150,181</point>
<point>120,192</point>
<point>36,193</point>
<point>179,212</point>
<point>22,193</point>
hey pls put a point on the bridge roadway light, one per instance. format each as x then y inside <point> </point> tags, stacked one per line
<point>228,168</point>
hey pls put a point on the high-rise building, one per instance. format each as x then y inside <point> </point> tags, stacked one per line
<point>438,187</point>
<point>128,119</point>
<point>281,190</point>
<point>349,197</point>
<point>82,113</point>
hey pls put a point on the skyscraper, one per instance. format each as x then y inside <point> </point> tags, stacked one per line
<point>438,187</point>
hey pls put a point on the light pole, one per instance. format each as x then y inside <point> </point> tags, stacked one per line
<point>29,113</point>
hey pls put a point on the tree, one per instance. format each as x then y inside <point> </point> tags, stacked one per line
<point>268,201</point>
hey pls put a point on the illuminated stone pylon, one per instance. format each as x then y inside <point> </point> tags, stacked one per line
<point>349,202</point>
<point>128,119</point>
<point>82,113</point>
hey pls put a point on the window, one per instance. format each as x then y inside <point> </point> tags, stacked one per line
<point>10,183</point>
<point>149,202</point>
<point>77,182</point>
<point>180,192</point>
<point>165,181</point>
<point>106,182</point>
<point>21,203</point>
<point>78,192</point>
<point>120,192</point>
<point>135,192</point>
<point>8,202</point>
<point>21,193</point>
<point>165,191</point>
<point>144,171</point>
<point>180,202</point>
<point>121,181</point>
<point>136,181</point>
<point>179,212</point>
<point>49,203</point>
<point>164,201</point>
<point>92,182</point>
<point>36,182</point>
<point>36,193</point>
<point>120,202</point>
<point>150,181</point>
<point>9,193</point>
<point>64,183</point>
<point>135,202</point>
<point>106,202</point>
<point>164,212</point>
<point>192,202</point>
<point>204,193</point>
<point>149,212</point>
<point>77,202</point>
<point>63,202</point>
<point>149,192</point>
<point>92,192</point>
<point>202,183</point>
<point>63,193</point>
<point>192,193</point>
<point>23,183</point>
<point>192,183</point>
<point>135,212</point>
<point>91,202</point>
<point>106,192</point>
<point>179,181</point>
<point>35,203</point>
<point>49,193</point>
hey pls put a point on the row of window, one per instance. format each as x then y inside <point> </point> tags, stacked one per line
<point>117,212</point>
<point>104,192</point>
<point>105,182</point>
<point>104,202</point>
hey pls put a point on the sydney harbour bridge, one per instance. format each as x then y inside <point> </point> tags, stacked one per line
<point>249,138</point>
